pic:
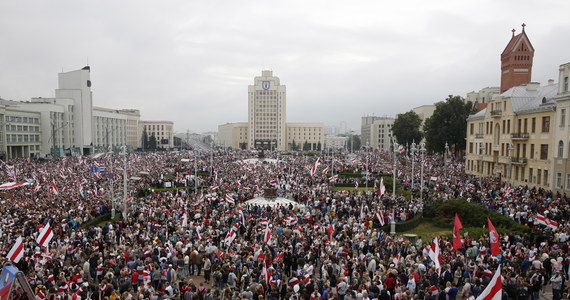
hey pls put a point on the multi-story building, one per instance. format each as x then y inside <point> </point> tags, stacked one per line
<point>381,133</point>
<point>266,127</point>
<point>161,130</point>
<point>267,112</point>
<point>512,137</point>
<point>561,143</point>
<point>335,142</point>
<point>109,129</point>
<point>483,96</point>
<point>133,119</point>
<point>366,129</point>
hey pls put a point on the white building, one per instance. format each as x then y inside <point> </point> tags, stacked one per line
<point>266,126</point>
<point>335,142</point>
<point>381,133</point>
<point>109,129</point>
<point>267,112</point>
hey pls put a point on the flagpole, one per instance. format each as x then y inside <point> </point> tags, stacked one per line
<point>393,223</point>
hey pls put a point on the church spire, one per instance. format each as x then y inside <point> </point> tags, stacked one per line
<point>516,61</point>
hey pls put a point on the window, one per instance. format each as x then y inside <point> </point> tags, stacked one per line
<point>531,151</point>
<point>525,126</point>
<point>544,151</point>
<point>560,149</point>
<point>530,175</point>
<point>538,176</point>
<point>567,181</point>
<point>545,124</point>
<point>566,87</point>
<point>545,178</point>
<point>471,128</point>
<point>533,125</point>
<point>562,117</point>
<point>558,182</point>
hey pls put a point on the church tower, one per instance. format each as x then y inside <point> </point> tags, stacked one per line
<point>516,61</point>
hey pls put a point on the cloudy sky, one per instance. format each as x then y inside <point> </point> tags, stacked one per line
<point>191,61</point>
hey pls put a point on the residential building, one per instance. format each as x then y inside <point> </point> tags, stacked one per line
<point>512,138</point>
<point>483,96</point>
<point>561,143</point>
<point>305,136</point>
<point>233,135</point>
<point>366,129</point>
<point>381,133</point>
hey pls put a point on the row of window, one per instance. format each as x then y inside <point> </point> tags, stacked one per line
<point>519,173</point>
<point>16,119</point>
<point>522,125</point>
<point>519,150</point>
<point>22,128</point>
<point>22,138</point>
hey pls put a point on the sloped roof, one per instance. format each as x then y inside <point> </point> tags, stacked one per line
<point>515,41</point>
<point>524,100</point>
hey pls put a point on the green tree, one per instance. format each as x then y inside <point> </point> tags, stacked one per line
<point>144,139</point>
<point>152,142</point>
<point>448,124</point>
<point>306,146</point>
<point>353,142</point>
<point>407,128</point>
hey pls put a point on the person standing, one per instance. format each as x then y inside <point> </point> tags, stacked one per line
<point>557,281</point>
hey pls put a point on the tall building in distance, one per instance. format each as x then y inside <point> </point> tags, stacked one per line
<point>267,112</point>
<point>516,61</point>
<point>266,126</point>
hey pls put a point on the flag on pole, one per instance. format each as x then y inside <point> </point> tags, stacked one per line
<point>382,187</point>
<point>17,251</point>
<point>230,237</point>
<point>315,166</point>
<point>493,291</point>
<point>54,187</point>
<point>434,254</point>
<point>380,216</point>
<point>265,273</point>
<point>326,170</point>
<point>456,235</point>
<point>184,220</point>
<point>493,239</point>
<point>333,178</point>
<point>267,236</point>
<point>46,234</point>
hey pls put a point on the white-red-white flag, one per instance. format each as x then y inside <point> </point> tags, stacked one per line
<point>230,237</point>
<point>198,236</point>
<point>493,239</point>
<point>54,187</point>
<point>229,199</point>
<point>184,220</point>
<point>315,166</point>
<point>493,291</point>
<point>265,274</point>
<point>267,236</point>
<point>434,254</point>
<point>333,178</point>
<point>382,187</point>
<point>45,236</point>
<point>17,251</point>
<point>380,216</point>
<point>326,170</point>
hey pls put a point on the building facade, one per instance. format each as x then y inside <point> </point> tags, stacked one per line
<point>109,129</point>
<point>483,96</point>
<point>161,130</point>
<point>516,61</point>
<point>366,129</point>
<point>381,133</point>
<point>561,142</point>
<point>266,127</point>
<point>267,112</point>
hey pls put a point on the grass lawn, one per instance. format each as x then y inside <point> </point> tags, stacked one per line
<point>427,231</point>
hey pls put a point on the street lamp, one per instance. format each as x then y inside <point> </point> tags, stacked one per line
<point>393,223</point>
<point>123,153</point>
<point>445,159</point>
<point>413,151</point>
<point>422,163</point>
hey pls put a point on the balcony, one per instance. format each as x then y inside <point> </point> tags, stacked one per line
<point>479,135</point>
<point>518,160</point>
<point>521,136</point>
<point>496,113</point>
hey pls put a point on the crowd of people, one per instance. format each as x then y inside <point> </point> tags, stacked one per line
<point>177,243</point>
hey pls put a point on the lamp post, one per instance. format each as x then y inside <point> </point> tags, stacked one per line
<point>445,159</point>
<point>413,151</point>
<point>195,173</point>
<point>111,175</point>
<point>393,223</point>
<point>422,151</point>
<point>367,170</point>
<point>123,153</point>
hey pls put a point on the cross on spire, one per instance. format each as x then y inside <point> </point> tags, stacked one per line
<point>523,25</point>
<point>513,31</point>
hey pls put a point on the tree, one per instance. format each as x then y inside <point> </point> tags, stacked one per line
<point>448,124</point>
<point>319,146</point>
<point>152,142</point>
<point>306,146</point>
<point>144,139</point>
<point>407,128</point>
<point>353,142</point>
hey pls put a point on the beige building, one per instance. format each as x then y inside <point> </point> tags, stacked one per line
<point>335,142</point>
<point>161,130</point>
<point>109,129</point>
<point>424,111</point>
<point>483,96</point>
<point>381,133</point>
<point>266,126</point>
<point>133,119</point>
<point>512,137</point>
<point>561,142</point>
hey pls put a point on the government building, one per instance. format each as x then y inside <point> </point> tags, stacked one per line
<point>266,126</point>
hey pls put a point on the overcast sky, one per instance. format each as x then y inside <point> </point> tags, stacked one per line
<point>191,61</point>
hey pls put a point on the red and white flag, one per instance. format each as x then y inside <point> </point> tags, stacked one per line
<point>333,178</point>
<point>184,220</point>
<point>456,235</point>
<point>230,237</point>
<point>315,166</point>
<point>45,236</point>
<point>543,220</point>
<point>198,236</point>
<point>267,236</point>
<point>229,199</point>
<point>382,187</point>
<point>265,274</point>
<point>54,187</point>
<point>434,254</point>
<point>380,216</point>
<point>493,291</point>
<point>330,231</point>
<point>17,251</point>
<point>326,170</point>
<point>493,239</point>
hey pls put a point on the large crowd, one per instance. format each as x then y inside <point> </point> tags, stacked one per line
<point>328,245</point>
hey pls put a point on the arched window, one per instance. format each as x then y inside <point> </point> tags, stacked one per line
<point>560,149</point>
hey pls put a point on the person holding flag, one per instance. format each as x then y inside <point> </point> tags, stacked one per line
<point>493,239</point>
<point>456,235</point>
